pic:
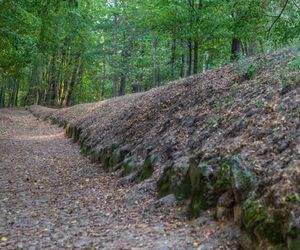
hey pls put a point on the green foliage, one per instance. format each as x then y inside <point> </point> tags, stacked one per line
<point>67,52</point>
<point>251,70</point>
<point>262,223</point>
<point>295,65</point>
<point>223,182</point>
<point>234,176</point>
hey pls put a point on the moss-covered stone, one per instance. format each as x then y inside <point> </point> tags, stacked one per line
<point>201,184</point>
<point>105,158</point>
<point>262,223</point>
<point>73,132</point>
<point>76,134</point>
<point>117,156</point>
<point>234,176</point>
<point>223,180</point>
<point>205,181</point>
<point>85,149</point>
<point>174,179</point>
<point>294,242</point>
<point>242,181</point>
<point>148,168</point>
<point>128,166</point>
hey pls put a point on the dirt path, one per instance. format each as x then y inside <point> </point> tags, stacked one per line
<point>51,197</point>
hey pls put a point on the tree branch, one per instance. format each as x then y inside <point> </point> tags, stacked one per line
<point>278,17</point>
<point>296,5</point>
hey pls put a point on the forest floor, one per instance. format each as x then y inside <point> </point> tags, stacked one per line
<point>51,197</point>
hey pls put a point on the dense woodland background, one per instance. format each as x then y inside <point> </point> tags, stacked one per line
<point>64,52</point>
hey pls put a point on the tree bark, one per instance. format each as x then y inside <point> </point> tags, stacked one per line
<point>156,65</point>
<point>123,84</point>
<point>196,57</point>
<point>115,74</point>
<point>124,66</point>
<point>16,92</point>
<point>206,61</point>
<point>102,82</point>
<point>182,66</point>
<point>235,49</point>
<point>52,82</point>
<point>173,58</point>
<point>196,42</point>
<point>71,84</point>
<point>1,89</point>
<point>190,61</point>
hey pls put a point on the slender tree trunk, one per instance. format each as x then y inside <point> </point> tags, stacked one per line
<point>102,83</point>
<point>190,61</point>
<point>140,76</point>
<point>244,48</point>
<point>196,41</point>
<point>156,65</point>
<point>196,57</point>
<point>52,83</point>
<point>123,84</point>
<point>71,84</point>
<point>115,74</point>
<point>206,61</point>
<point>173,58</point>
<point>1,96</point>
<point>62,82</point>
<point>37,100</point>
<point>16,95</point>
<point>182,66</point>
<point>235,49</point>
<point>11,99</point>
<point>251,51</point>
<point>124,66</point>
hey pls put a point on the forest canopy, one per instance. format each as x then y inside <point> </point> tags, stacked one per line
<point>65,52</point>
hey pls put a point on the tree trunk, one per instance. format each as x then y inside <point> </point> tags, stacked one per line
<point>196,41</point>
<point>52,83</point>
<point>16,95</point>
<point>251,51</point>
<point>173,58</point>
<point>124,66</point>
<point>63,69</point>
<point>235,49</point>
<point>1,96</point>
<point>190,61</point>
<point>102,82</point>
<point>196,57</point>
<point>156,66</point>
<point>123,84</point>
<point>115,66</point>
<point>71,84</point>
<point>182,66</point>
<point>206,61</point>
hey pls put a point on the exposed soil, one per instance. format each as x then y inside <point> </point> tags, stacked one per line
<point>51,197</point>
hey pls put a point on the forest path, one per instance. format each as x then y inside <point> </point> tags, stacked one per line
<point>51,197</point>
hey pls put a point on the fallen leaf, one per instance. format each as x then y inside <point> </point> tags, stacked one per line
<point>2,239</point>
<point>195,245</point>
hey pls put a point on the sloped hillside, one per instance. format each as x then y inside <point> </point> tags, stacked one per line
<point>229,138</point>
